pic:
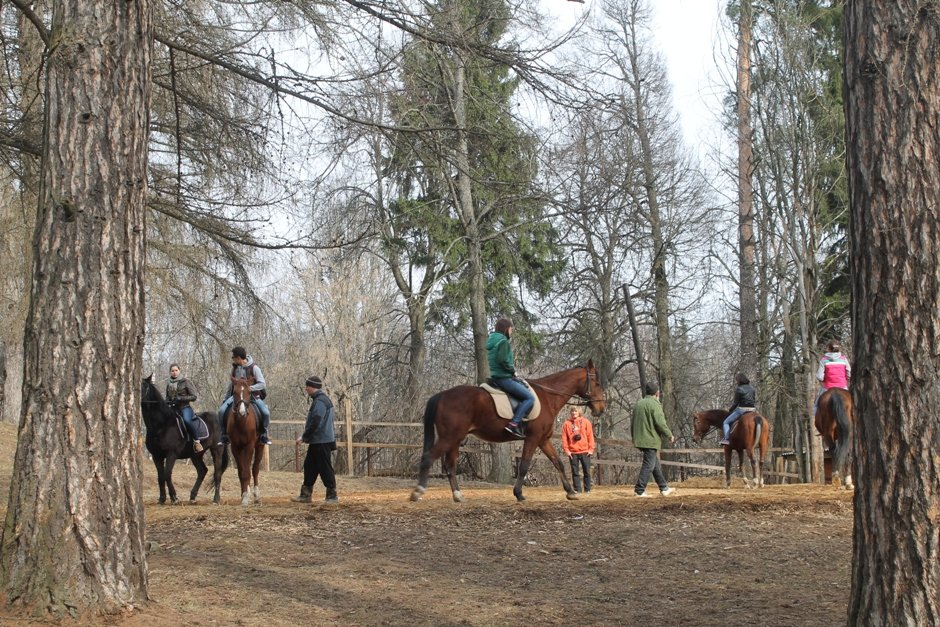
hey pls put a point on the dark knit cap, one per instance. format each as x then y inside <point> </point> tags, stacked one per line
<point>314,382</point>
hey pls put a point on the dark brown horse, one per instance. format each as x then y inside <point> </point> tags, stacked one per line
<point>465,409</point>
<point>167,444</point>
<point>834,423</point>
<point>750,431</point>
<point>241,424</point>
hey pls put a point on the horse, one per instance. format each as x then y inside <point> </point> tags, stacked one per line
<point>751,431</point>
<point>241,424</point>
<point>834,423</point>
<point>166,444</point>
<point>465,409</point>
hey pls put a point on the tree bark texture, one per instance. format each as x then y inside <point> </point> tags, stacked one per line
<point>747,277</point>
<point>73,538</point>
<point>892,104</point>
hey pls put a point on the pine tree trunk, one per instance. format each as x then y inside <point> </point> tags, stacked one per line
<point>73,539</point>
<point>892,89</point>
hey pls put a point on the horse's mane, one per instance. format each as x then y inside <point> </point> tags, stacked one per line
<point>713,414</point>
<point>556,375</point>
<point>153,403</point>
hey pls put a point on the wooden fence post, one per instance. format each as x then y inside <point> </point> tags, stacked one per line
<point>350,469</point>
<point>296,451</point>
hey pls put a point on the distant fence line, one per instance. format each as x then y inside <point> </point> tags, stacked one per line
<point>775,466</point>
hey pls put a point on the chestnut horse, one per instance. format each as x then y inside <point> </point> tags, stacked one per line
<point>241,424</point>
<point>750,431</point>
<point>834,423</point>
<point>466,409</point>
<point>166,444</point>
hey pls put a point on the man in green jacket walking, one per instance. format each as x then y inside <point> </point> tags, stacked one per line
<point>648,430</point>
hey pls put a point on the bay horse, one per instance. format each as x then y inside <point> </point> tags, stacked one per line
<point>751,431</point>
<point>834,423</point>
<point>166,444</point>
<point>241,424</point>
<point>465,409</point>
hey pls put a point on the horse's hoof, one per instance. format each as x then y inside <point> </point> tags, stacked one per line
<point>458,497</point>
<point>418,493</point>
<point>573,496</point>
<point>192,501</point>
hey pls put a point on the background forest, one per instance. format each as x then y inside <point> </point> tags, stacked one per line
<point>359,190</point>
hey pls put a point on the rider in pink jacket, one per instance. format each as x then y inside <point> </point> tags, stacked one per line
<point>834,371</point>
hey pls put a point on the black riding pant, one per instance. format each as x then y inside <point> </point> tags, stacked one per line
<point>319,463</point>
<point>578,462</point>
<point>650,465</point>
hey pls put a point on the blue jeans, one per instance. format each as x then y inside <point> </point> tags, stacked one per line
<point>188,415</point>
<point>520,392</point>
<point>260,404</point>
<point>737,413</point>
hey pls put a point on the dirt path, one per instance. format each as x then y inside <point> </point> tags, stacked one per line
<point>706,556</point>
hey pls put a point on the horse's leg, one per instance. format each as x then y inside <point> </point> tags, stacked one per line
<point>244,473</point>
<point>427,460</point>
<point>255,469</point>
<point>449,461</point>
<point>727,466</point>
<point>219,462</point>
<point>528,450</point>
<point>552,454</point>
<point>168,473</point>
<point>747,484</point>
<point>201,470</point>
<point>753,482</point>
<point>829,445</point>
<point>159,461</point>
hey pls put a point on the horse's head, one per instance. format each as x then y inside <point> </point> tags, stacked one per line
<point>593,391</point>
<point>241,393</point>
<point>152,404</point>
<point>701,426</point>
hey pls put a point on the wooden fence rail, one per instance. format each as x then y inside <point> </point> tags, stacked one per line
<point>348,426</point>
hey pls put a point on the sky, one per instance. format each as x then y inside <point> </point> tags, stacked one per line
<point>687,35</point>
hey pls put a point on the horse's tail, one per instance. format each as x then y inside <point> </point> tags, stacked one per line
<point>844,422</point>
<point>223,462</point>
<point>430,413</point>
<point>758,427</point>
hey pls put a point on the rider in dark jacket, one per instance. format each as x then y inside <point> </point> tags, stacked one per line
<point>745,400</point>
<point>180,392</point>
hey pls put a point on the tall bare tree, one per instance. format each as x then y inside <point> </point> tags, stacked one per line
<point>73,539</point>
<point>747,249</point>
<point>892,103</point>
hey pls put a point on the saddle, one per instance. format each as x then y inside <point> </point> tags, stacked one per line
<point>202,429</point>
<point>505,404</point>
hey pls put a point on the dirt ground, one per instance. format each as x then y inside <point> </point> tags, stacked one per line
<point>706,556</point>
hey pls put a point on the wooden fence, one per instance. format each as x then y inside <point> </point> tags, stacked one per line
<point>775,467</point>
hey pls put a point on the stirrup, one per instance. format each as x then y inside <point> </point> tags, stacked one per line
<point>197,446</point>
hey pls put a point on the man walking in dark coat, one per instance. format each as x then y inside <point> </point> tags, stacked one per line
<point>321,439</point>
